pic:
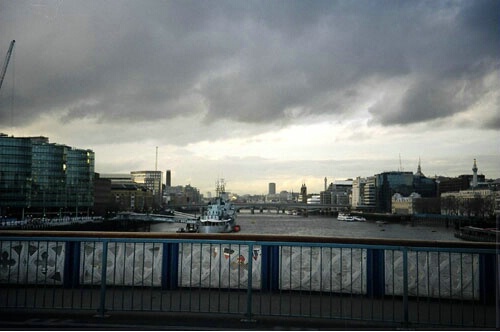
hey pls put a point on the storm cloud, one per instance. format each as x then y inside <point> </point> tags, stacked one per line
<point>259,91</point>
<point>249,62</point>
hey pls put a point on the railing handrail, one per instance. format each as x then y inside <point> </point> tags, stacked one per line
<point>251,238</point>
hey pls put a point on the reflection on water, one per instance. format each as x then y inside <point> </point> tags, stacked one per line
<point>272,223</point>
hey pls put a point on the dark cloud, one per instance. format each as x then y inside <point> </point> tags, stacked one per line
<point>248,61</point>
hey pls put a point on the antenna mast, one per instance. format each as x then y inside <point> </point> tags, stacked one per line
<point>156,161</point>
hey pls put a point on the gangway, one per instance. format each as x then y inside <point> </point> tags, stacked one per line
<point>178,217</point>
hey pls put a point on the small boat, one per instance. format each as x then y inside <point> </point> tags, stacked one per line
<point>348,217</point>
<point>344,217</point>
<point>471,233</point>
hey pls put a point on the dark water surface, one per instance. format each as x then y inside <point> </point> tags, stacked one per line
<point>273,223</point>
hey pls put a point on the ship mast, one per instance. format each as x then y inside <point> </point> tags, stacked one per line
<point>220,187</point>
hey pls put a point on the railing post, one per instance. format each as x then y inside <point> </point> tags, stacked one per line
<point>71,277</point>
<point>405,286</point>
<point>104,263</point>
<point>270,268</point>
<point>249,286</point>
<point>488,278</point>
<point>170,266</point>
<point>375,267</point>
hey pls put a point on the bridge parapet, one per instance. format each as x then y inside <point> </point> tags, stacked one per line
<point>298,270</point>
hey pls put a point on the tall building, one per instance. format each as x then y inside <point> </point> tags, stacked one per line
<point>272,188</point>
<point>44,179</point>
<point>358,188</point>
<point>370,193</point>
<point>168,178</point>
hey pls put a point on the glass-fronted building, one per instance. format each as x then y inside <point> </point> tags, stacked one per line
<point>403,183</point>
<point>152,180</point>
<point>39,178</point>
<point>389,183</point>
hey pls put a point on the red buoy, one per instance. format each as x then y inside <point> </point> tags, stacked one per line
<point>236,228</point>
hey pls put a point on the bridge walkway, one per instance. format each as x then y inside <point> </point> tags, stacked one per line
<point>188,308</point>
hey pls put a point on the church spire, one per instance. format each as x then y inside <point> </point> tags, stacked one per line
<point>419,169</point>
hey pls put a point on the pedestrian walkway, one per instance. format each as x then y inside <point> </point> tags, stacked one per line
<point>57,320</point>
<point>195,309</point>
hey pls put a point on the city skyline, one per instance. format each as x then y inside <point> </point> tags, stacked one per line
<point>258,92</point>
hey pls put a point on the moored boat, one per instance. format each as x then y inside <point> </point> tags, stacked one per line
<point>220,217</point>
<point>348,217</point>
<point>471,233</point>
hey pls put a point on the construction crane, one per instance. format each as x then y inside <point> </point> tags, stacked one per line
<point>6,62</point>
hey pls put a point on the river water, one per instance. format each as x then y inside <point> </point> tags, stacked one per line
<point>282,224</point>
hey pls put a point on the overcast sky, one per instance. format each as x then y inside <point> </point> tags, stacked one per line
<point>255,92</point>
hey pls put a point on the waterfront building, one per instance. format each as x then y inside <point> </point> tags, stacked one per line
<point>182,195</point>
<point>478,200</point>
<point>363,194</point>
<point>370,194</point>
<point>389,183</point>
<point>102,195</point>
<point>461,182</point>
<point>43,179</point>
<point>338,192</point>
<point>117,177</point>
<point>151,180</point>
<point>404,205</point>
<point>303,194</point>
<point>470,203</point>
<point>403,183</point>
<point>314,199</point>
<point>130,197</point>
<point>357,194</point>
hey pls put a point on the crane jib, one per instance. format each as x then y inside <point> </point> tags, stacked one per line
<point>6,62</point>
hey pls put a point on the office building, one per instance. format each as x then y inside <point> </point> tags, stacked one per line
<point>363,195</point>
<point>39,178</point>
<point>168,178</point>
<point>272,188</point>
<point>390,183</point>
<point>337,193</point>
<point>152,180</point>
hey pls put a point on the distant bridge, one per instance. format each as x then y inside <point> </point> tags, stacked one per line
<point>186,218</point>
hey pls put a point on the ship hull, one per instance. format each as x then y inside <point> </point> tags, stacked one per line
<point>214,229</point>
<point>216,226</point>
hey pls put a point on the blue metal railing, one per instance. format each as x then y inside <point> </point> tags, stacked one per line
<point>380,281</point>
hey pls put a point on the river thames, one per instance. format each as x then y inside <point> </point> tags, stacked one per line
<point>282,224</point>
